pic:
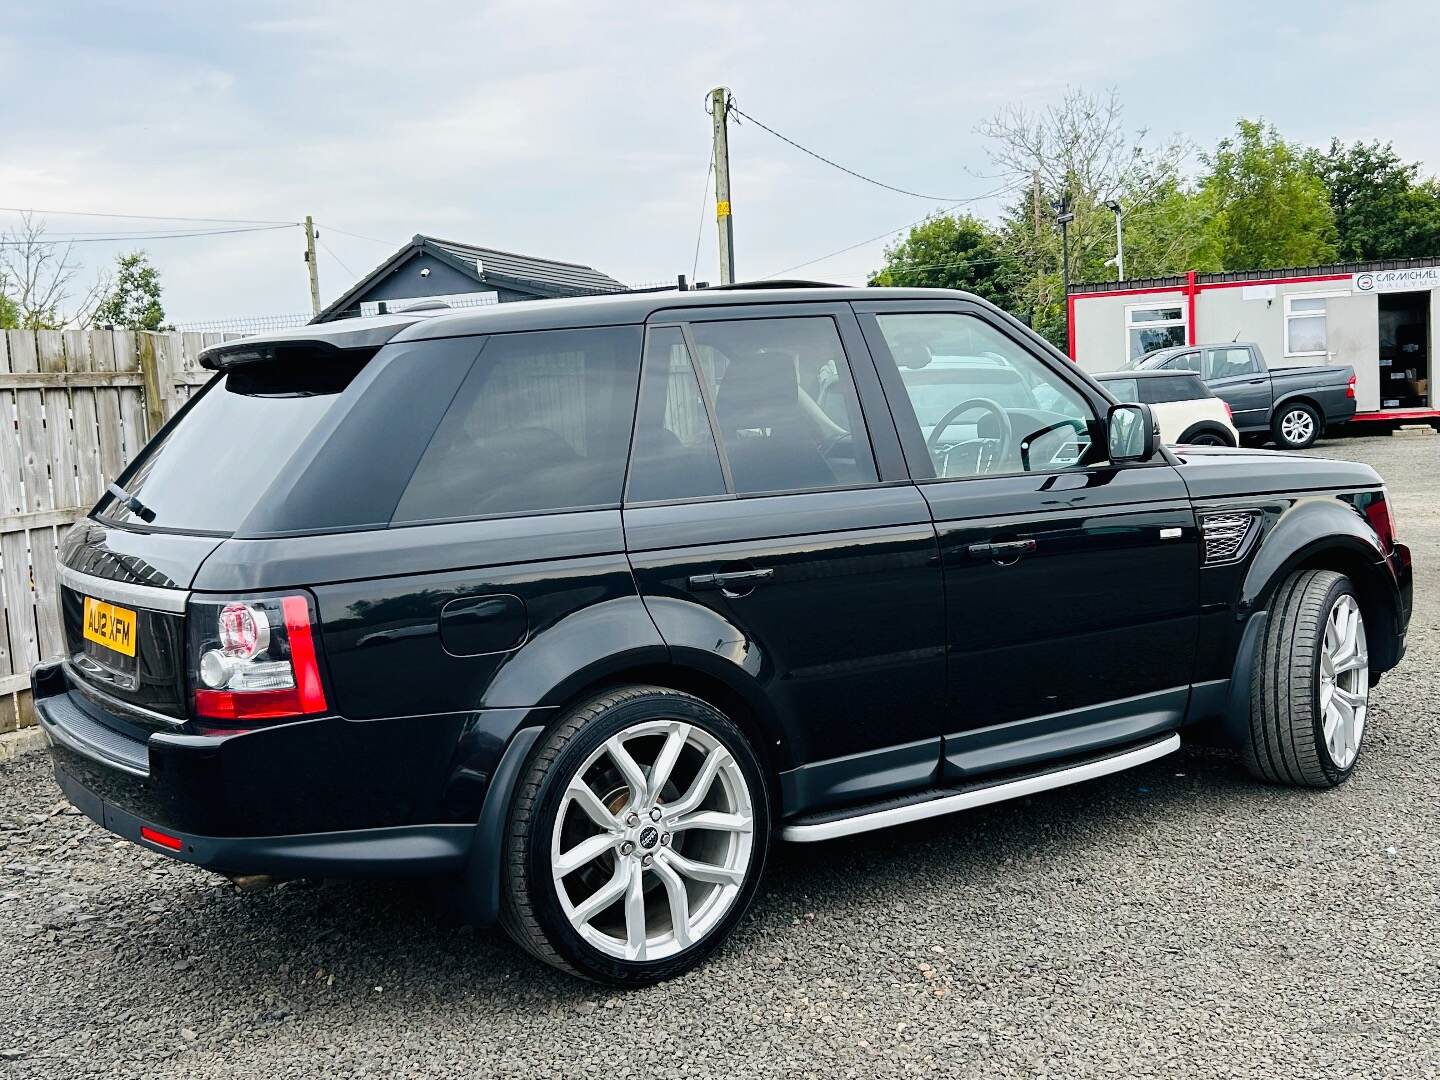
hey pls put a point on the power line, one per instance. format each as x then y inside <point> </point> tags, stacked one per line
<point>357,236</point>
<point>335,257</point>
<point>132,237</point>
<point>700,230</point>
<point>836,165</point>
<point>944,210</point>
<point>143,217</point>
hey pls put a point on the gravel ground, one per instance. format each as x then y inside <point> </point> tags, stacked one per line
<point>1175,920</point>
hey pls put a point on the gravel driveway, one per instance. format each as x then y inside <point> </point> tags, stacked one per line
<point>1178,920</point>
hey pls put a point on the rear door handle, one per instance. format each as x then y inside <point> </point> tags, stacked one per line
<point>1008,549</point>
<point>733,581</point>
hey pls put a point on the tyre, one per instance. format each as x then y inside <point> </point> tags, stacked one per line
<point>636,838</point>
<point>1310,684</point>
<point>1295,426</point>
<point>1206,435</point>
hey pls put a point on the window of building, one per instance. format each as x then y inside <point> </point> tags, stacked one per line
<point>1305,330</point>
<point>541,422</point>
<point>1154,326</point>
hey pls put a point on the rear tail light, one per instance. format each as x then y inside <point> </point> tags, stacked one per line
<point>255,659</point>
<point>1229,412</point>
<point>1350,387</point>
<point>1381,518</point>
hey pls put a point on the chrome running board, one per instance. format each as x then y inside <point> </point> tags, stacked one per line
<point>864,820</point>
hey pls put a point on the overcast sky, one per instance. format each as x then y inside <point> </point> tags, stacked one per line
<point>576,131</point>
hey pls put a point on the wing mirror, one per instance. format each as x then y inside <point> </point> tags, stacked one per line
<point>1132,433</point>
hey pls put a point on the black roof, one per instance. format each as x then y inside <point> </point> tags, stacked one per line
<point>628,308</point>
<point>1178,280</point>
<point>490,268</point>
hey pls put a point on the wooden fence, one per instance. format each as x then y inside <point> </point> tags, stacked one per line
<point>75,407</point>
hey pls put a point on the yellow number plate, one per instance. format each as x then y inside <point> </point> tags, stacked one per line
<point>110,625</point>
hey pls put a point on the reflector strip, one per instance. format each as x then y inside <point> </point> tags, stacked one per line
<point>160,839</point>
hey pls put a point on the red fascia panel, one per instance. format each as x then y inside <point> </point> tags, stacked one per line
<point>1070,323</point>
<point>1395,414</point>
<point>1200,286</point>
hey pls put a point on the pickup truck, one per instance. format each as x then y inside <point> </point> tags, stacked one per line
<point>1293,405</point>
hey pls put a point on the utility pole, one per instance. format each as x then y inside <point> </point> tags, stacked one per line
<point>719,114</point>
<point>311,265</point>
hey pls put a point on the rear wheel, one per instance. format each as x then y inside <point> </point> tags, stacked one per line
<point>637,838</point>
<point>1206,435</point>
<point>1295,426</point>
<point>1310,684</point>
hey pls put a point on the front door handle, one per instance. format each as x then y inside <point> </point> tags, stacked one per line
<point>735,581</point>
<point>1008,550</point>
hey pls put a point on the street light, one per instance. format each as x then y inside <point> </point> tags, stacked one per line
<point>1063,218</point>
<point>1119,211</point>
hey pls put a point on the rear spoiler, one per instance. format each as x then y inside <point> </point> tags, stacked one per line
<point>352,339</point>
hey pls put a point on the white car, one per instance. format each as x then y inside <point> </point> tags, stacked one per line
<point>1188,413</point>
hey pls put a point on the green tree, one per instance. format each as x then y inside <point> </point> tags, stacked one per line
<point>1382,208</point>
<point>133,301</point>
<point>947,252</point>
<point>1269,204</point>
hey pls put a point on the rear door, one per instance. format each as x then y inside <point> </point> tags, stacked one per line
<point>778,543</point>
<point>1071,583</point>
<point>1236,375</point>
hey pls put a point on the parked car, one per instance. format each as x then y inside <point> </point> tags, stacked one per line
<point>1187,412</point>
<point>587,602</point>
<point>1293,405</point>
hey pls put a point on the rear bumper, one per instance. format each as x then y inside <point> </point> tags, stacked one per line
<point>409,849</point>
<point>321,797</point>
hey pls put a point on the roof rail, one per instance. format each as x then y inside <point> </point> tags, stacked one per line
<point>778,283</point>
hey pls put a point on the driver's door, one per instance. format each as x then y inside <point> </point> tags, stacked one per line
<point>1071,584</point>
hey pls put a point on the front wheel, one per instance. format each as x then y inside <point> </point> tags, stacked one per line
<point>1295,426</point>
<point>1310,684</point>
<point>637,837</point>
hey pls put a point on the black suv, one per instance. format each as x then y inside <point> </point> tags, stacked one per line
<point>586,602</point>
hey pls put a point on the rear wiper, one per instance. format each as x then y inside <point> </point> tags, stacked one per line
<point>131,503</point>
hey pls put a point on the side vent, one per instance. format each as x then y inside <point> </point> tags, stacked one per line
<point>1227,536</point>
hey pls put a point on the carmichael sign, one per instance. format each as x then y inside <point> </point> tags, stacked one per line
<point>1378,281</point>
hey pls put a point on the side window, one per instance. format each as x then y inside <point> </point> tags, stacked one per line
<point>1172,388</point>
<point>764,377</point>
<point>1224,363</point>
<point>1123,390</point>
<point>1186,361</point>
<point>983,403</point>
<point>675,455</point>
<point>541,422</point>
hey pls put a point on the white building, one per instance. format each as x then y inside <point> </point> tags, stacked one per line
<point>1379,317</point>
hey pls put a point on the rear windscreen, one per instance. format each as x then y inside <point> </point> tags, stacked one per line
<point>207,472</point>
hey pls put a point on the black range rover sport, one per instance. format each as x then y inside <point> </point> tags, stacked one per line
<point>588,602</point>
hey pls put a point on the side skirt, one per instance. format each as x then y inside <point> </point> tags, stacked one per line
<point>934,803</point>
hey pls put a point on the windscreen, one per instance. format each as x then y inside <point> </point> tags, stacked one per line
<point>207,472</point>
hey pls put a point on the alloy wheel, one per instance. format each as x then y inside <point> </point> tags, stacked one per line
<point>1298,427</point>
<point>1344,681</point>
<point>652,840</point>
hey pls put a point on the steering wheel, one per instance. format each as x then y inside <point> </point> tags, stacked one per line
<point>999,446</point>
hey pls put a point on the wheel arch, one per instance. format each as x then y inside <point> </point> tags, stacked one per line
<point>1324,534</point>
<point>1207,427</point>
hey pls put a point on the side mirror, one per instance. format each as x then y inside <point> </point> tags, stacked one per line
<point>1132,433</point>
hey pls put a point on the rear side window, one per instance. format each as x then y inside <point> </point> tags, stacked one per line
<point>1172,388</point>
<point>675,455</point>
<point>1125,391</point>
<point>211,468</point>
<point>1226,363</point>
<point>542,422</point>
